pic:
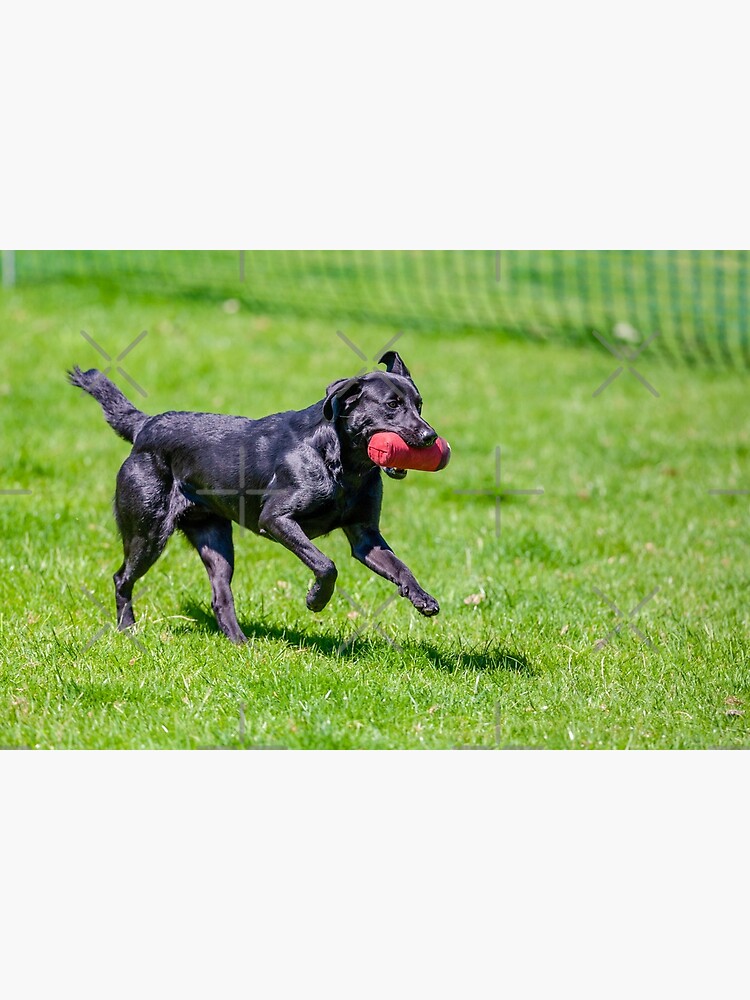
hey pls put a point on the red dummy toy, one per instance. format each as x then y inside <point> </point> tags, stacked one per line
<point>392,452</point>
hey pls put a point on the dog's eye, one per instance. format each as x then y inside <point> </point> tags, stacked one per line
<point>392,404</point>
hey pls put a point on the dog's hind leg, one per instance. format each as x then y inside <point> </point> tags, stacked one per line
<point>145,516</point>
<point>212,537</point>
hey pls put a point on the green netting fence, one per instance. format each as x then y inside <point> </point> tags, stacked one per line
<point>696,300</point>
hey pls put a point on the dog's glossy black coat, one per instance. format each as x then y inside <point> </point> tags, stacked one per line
<point>291,476</point>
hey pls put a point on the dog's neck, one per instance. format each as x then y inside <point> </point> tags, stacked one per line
<point>354,455</point>
<point>345,458</point>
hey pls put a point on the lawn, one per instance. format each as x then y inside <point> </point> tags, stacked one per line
<point>523,653</point>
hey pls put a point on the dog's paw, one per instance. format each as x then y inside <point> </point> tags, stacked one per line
<point>315,601</point>
<point>426,605</point>
<point>321,592</point>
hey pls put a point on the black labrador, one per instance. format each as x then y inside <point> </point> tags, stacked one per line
<point>291,476</point>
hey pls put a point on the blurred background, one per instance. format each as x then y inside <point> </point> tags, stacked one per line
<point>697,301</point>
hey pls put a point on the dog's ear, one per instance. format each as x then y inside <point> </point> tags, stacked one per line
<point>394,365</point>
<point>337,392</point>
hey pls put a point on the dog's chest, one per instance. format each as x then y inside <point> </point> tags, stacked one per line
<point>341,506</point>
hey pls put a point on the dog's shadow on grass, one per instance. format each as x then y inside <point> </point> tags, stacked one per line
<point>485,658</point>
<point>204,621</point>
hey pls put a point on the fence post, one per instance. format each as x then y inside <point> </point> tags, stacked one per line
<point>9,268</point>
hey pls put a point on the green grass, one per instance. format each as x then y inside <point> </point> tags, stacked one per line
<point>625,510</point>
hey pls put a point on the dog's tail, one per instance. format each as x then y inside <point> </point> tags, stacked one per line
<point>121,415</point>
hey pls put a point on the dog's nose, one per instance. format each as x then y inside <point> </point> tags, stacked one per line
<point>429,438</point>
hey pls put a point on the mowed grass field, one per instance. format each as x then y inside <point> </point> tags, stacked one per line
<point>515,659</point>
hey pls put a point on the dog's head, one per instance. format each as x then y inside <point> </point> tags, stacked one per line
<point>379,401</point>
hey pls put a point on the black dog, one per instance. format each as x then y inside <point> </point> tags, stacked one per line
<point>291,476</point>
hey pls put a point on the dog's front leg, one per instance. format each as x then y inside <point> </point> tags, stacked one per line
<point>285,530</point>
<point>369,546</point>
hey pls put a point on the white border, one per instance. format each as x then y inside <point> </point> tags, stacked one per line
<point>533,125</point>
<point>373,874</point>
